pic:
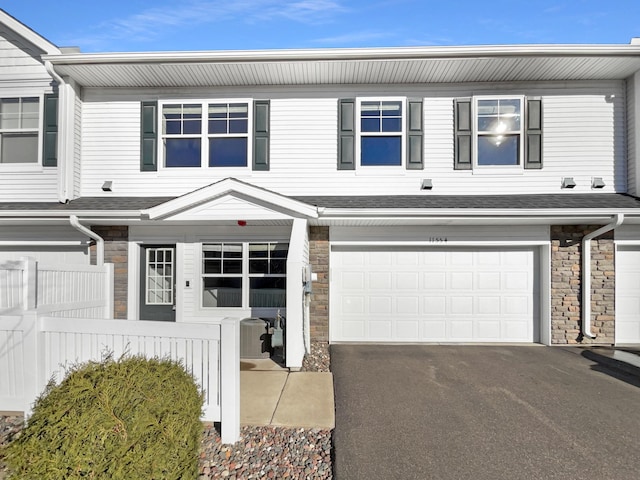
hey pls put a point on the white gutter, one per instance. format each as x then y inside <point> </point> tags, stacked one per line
<point>75,223</point>
<point>338,54</point>
<point>586,272</point>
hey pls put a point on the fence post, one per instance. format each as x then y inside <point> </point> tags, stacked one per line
<point>230,380</point>
<point>29,283</point>
<point>109,289</point>
<point>32,365</point>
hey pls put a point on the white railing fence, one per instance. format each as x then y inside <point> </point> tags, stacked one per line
<point>70,291</point>
<point>34,348</point>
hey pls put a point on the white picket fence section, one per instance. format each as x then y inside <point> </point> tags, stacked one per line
<point>70,291</point>
<point>12,286</point>
<point>35,348</point>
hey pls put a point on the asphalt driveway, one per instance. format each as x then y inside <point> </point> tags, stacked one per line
<point>481,412</point>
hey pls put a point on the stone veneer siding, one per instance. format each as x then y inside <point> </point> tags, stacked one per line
<point>319,260</point>
<point>566,281</point>
<point>116,252</point>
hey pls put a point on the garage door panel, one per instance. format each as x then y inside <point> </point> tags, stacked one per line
<point>488,329</point>
<point>489,306</point>
<point>353,305</point>
<point>458,295</point>
<point>407,305</point>
<point>407,330</point>
<point>461,281</point>
<point>380,281</point>
<point>627,295</point>
<point>407,281</point>
<point>381,305</point>
<point>460,305</point>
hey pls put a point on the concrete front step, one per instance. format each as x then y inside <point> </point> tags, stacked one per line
<point>280,398</point>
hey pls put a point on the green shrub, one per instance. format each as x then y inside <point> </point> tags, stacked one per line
<point>130,418</point>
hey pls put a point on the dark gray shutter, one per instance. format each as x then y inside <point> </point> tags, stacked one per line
<point>50,143</point>
<point>533,145</point>
<point>149,137</point>
<point>415,149</point>
<point>261,135</point>
<point>346,134</point>
<point>463,137</point>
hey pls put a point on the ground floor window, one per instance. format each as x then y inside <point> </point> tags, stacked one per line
<point>244,275</point>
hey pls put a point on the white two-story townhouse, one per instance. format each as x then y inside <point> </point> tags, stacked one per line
<point>429,194</point>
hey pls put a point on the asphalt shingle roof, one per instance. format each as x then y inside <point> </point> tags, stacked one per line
<point>529,202</point>
<point>609,201</point>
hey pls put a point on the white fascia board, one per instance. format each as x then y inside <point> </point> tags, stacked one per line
<point>330,213</point>
<point>392,53</point>
<point>230,186</point>
<point>55,214</point>
<point>28,34</point>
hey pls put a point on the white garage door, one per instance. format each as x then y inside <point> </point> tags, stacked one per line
<point>433,295</point>
<point>628,295</point>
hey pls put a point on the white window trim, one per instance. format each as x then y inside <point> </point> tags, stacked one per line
<point>381,169</point>
<point>28,167</point>
<point>245,275</point>
<point>204,133</point>
<point>498,169</point>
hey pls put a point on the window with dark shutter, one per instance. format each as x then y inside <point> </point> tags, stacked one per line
<point>533,147</point>
<point>463,134</point>
<point>149,137</point>
<point>50,144</point>
<point>346,134</point>
<point>415,148</point>
<point>261,135</point>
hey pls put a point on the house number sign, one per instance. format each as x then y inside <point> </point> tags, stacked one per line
<point>437,239</point>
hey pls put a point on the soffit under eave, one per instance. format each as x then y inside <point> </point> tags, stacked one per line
<point>384,71</point>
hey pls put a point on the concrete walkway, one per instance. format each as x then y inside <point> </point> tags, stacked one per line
<point>271,395</point>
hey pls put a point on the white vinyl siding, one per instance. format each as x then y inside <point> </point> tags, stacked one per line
<point>580,119</point>
<point>18,59</point>
<point>18,63</point>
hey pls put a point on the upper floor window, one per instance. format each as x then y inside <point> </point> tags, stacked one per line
<point>19,130</point>
<point>380,132</point>
<point>499,131</point>
<point>205,134</point>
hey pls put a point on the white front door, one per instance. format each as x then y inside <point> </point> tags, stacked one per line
<point>397,294</point>
<point>627,295</point>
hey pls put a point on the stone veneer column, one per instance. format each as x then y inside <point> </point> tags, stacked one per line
<point>566,285</point>
<point>116,252</point>
<point>319,307</point>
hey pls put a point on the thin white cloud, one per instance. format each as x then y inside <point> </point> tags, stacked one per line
<point>307,11</point>
<point>353,38</point>
<point>155,22</point>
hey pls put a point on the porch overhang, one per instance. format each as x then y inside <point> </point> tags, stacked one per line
<point>230,199</point>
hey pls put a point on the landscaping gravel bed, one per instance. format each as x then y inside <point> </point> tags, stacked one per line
<point>262,452</point>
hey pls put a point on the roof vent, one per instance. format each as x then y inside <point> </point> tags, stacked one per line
<point>635,41</point>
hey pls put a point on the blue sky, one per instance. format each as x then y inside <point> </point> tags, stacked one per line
<point>137,25</point>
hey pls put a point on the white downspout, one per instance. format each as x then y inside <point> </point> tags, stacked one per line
<point>75,223</point>
<point>586,272</point>
<point>63,192</point>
